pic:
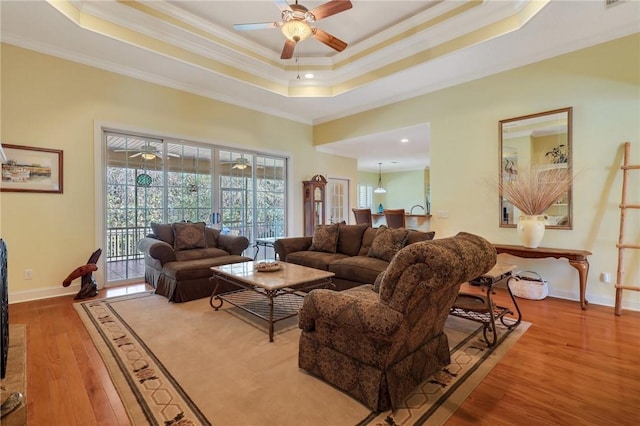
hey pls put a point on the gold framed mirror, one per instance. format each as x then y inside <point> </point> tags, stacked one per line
<point>542,141</point>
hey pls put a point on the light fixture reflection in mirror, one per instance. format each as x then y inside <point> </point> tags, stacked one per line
<point>541,141</point>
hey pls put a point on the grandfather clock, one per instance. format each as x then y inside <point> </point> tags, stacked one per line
<point>314,204</point>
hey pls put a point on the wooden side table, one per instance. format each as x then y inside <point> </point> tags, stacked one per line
<point>577,259</point>
<point>480,308</point>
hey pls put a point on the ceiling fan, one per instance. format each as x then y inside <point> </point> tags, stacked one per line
<point>297,24</point>
<point>148,152</point>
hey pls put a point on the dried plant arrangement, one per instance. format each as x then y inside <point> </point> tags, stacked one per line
<point>533,190</point>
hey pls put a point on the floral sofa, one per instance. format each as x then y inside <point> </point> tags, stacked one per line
<point>178,258</point>
<point>356,254</point>
<point>378,343</point>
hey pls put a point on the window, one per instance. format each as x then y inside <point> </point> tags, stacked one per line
<point>365,196</point>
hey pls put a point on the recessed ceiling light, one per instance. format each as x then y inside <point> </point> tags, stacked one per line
<point>308,75</point>
<point>404,140</point>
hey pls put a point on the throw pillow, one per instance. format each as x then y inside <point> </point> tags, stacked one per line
<point>188,235</point>
<point>367,239</point>
<point>388,242</point>
<point>350,238</point>
<point>325,238</point>
<point>163,232</point>
<point>417,236</point>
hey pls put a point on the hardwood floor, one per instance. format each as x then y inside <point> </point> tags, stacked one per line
<point>571,367</point>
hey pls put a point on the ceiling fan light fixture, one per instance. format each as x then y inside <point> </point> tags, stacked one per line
<point>148,156</point>
<point>241,164</point>
<point>296,30</point>
<point>380,189</point>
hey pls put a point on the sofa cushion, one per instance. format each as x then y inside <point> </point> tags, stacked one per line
<point>188,235</point>
<point>198,268</point>
<point>388,242</point>
<point>417,236</point>
<point>362,269</point>
<point>163,232</point>
<point>350,238</point>
<point>200,253</point>
<point>325,238</point>
<point>314,259</point>
<point>367,239</point>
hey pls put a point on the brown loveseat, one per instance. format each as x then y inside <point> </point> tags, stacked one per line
<point>356,254</point>
<point>378,343</point>
<point>178,258</point>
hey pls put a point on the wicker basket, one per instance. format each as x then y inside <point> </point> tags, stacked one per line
<point>528,285</point>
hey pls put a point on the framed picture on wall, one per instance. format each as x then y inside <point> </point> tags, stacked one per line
<point>31,169</point>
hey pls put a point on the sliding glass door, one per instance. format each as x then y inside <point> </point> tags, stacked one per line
<point>162,180</point>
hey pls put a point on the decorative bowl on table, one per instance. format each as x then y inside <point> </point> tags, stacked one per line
<point>267,266</point>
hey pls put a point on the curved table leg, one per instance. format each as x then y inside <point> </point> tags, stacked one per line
<point>583,271</point>
<point>214,295</point>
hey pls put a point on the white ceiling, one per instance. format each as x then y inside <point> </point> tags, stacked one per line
<point>397,50</point>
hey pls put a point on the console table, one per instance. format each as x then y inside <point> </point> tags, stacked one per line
<point>576,258</point>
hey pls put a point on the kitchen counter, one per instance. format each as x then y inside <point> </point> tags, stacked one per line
<point>419,222</point>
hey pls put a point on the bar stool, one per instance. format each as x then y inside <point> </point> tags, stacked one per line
<point>395,218</point>
<point>362,215</point>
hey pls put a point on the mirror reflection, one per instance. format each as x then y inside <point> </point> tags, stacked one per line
<point>542,141</point>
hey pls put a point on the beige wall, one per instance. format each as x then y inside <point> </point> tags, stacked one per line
<point>602,84</point>
<point>53,103</point>
<point>404,189</point>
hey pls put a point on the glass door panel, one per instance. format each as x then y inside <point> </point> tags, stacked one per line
<point>235,171</point>
<point>133,199</point>
<point>337,200</point>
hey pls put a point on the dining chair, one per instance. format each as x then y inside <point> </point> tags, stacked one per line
<point>395,218</point>
<point>362,215</point>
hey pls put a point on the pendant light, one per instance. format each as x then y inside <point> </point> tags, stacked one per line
<point>380,189</point>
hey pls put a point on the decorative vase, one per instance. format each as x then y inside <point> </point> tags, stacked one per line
<point>531,230</point>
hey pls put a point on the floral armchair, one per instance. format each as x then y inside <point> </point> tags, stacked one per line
<point>378,343</point>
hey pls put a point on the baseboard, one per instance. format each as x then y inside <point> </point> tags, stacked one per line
<point>596,300</point>
<point>593,300</point>
<point>42,293</point>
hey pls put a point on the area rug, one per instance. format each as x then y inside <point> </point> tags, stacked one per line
<point>186,364</point>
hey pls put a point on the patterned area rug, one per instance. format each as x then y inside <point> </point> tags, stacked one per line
<point>186,364</point>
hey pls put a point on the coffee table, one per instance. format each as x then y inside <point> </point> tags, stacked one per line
<point>272,296</point>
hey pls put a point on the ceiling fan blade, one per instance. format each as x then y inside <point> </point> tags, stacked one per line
<point>171,154</point>
<point>256,26</point>
<point>287,50</point>
<point>329,40</point>
<point>137,154</point>
<point>331,8</point>
<point>282,4</point>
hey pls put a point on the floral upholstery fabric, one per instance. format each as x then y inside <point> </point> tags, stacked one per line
<point>378,347</point>
<point>325,238</point>
<point>388,242</point>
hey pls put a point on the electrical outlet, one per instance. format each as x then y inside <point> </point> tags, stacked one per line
<point>28,274</point>
<point>605,277</point>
